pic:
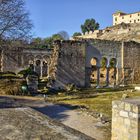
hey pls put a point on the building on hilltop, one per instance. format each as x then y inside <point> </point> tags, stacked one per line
<point>120,17</point>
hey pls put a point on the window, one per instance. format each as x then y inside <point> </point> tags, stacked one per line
<point>134,21</point>
<point>122,17</point>
<point>138,14</point>
<point>130,15</point>
<point>138,19</point>
<point>115,19</point>
<point>130,21</point>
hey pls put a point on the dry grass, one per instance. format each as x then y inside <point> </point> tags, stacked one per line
<point>95,100</point>
<point>10,87</point>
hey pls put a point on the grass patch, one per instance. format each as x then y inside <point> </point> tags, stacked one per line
<point>99,100</point>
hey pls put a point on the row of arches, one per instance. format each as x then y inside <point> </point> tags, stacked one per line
<point>103,72</point>
<point>39,64</point>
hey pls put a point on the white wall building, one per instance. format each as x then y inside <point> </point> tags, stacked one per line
<point>120,17</point>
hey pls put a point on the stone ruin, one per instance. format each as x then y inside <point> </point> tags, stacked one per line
<point>79,62</point>
<point>71,63</point>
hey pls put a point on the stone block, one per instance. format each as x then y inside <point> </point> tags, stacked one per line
<point>124,113</point>
<point>137,88</point>
<point>127,107</point>
<point>127,122</point>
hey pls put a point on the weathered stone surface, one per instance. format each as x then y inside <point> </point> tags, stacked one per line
<point>70,62</point>
<point>125,121</point>
<point>27,124</point>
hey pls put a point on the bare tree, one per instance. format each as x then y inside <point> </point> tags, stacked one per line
<point>14,20</point>
<point>64,35</point>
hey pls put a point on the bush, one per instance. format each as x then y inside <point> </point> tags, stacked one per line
<point>71,87</point>
<point>27,72</point>
<point>11,87</point>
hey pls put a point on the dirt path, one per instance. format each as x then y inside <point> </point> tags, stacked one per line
<point>72,118</point>
<point>75,119</point>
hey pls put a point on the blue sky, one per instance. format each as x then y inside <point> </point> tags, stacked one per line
<point>52,16</point>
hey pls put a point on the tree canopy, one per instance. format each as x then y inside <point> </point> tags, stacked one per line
<point>89,25</point>
<point>14,20</point>
<point>77,34</point>
<point>46,42</point>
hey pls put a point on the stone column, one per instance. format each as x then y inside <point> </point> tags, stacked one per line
<point>41,69</point>
<point>98,77</point>
<point>107,76</point>
<point>34,65</point>
<point>115,71</point>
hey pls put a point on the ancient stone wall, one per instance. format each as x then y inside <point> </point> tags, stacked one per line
<point>16,59</point>
<point>132,62</point>
<point>70,64</point>
<point>125,120</point>
<point>109,50</point>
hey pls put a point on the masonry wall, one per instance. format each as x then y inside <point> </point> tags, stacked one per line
<point>132,62</point>
<point>105,49</point>
<point>70,64</point>
<point>125,120</point>
<point>16,59</point>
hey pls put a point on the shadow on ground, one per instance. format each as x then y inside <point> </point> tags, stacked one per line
<point>51,110</point>
<point>54,111</point>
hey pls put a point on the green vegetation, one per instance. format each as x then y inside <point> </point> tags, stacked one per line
<point>46,42</point>
<point>96,100</point>
<point>90,25</point>
<point>26,72</point>
<point>8,75</point>
<point>77,34</point>
<point>11,87</point>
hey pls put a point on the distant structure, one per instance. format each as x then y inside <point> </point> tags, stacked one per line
<point>120,17</point>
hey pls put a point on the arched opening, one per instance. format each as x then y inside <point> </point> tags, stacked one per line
<point>38,67</point>
<point>103,71</point>
<point>45,69</point>
<point>113,71</point>
<point>93,73</point>
<point>31,65</point>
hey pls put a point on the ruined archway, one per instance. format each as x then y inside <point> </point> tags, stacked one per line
<point>103,71</point>
<point>38,67</point>
<point>45,69</point>
<point>113,71</point>
<point>93,74</point>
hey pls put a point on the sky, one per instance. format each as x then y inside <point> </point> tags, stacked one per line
<point>52,16</point>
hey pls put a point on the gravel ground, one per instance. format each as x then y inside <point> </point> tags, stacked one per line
<point>69,117</point>
<point>75,119</point>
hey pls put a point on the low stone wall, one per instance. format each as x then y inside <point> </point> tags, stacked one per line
<point>125,119</point>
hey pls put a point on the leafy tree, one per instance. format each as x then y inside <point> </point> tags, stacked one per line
<point>89,25</point>
<point>46,42</point>
<point>64,35</point>
<point>14,20</point>
<point>37,41</point>
<point>57,37</point>
<point>77,34</point>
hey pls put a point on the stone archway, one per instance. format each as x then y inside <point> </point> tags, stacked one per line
<point>104,80</point>
<point>113,71</point>
<point>93,75</point>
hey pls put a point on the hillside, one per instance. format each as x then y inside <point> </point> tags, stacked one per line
<point>122,32</point>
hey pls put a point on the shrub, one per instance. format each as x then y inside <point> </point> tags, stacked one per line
<point>27,72</point>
